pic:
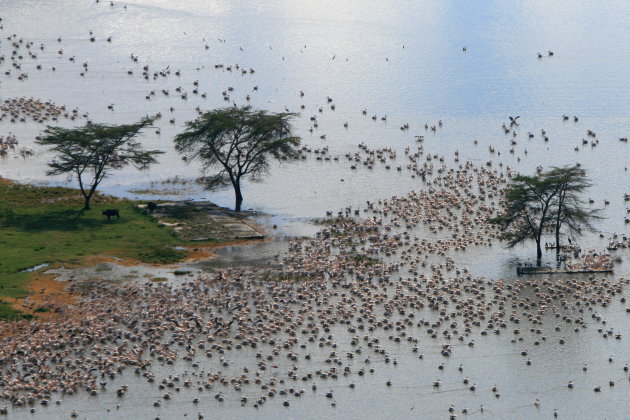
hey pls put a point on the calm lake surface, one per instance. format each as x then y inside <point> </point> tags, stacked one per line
<point>400,60</point>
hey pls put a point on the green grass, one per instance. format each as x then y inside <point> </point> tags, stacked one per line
<point>7,312</point>
<point>44,225</point>
<point>162,255</point>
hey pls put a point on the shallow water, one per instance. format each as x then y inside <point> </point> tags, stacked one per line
<point>493,361</point>
<point>401,59</point>
<point>431,78</point>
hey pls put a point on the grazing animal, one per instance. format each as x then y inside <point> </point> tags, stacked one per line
<point>151,206</point>
<point>110,213</point>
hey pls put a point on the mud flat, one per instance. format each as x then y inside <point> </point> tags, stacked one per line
<point>549,270</point>
<point>205,221</point>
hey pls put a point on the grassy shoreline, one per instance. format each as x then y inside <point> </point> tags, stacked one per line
<point>44,225</point>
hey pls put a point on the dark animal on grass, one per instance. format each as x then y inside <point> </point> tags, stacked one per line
<point>111,213</point>
<point>151,207</point>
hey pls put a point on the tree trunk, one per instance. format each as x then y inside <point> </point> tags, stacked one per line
<point>557,241</point>
<point>88,195</point>
<point>538,253</point>
<point>538,237</point>
<point>239,196</point>
<point>86,206</point>
<point>561,197</point>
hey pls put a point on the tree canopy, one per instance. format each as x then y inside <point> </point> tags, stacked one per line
<point>241,142</point>
<point>91,152</point>
<point>569,210</point>
<point>527,204</point>
<point>545,202</point>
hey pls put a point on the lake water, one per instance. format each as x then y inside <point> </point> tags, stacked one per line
<point>403,60</point>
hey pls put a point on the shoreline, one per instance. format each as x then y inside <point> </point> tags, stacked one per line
<point>45,291</point>
<point>45,295</point>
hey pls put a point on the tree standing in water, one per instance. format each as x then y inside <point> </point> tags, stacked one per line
<point>240,141</point>
<point>528,201</point>
<point>568,209</point>
<point>91,152</point>
<point>543,203</point>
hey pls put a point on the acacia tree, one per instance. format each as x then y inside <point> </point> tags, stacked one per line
<point>528,201</point>
<point>240,141</point>
<point>568,209</point>
<point>91,152</point>
<point>543,203</point>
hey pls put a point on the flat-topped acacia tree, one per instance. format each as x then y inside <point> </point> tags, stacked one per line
<point>541,203</point>
<point>240,141</point>
<point>91,152</point>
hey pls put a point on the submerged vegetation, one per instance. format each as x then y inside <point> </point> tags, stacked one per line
<point>331,220</point>
<point>360,259</point>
